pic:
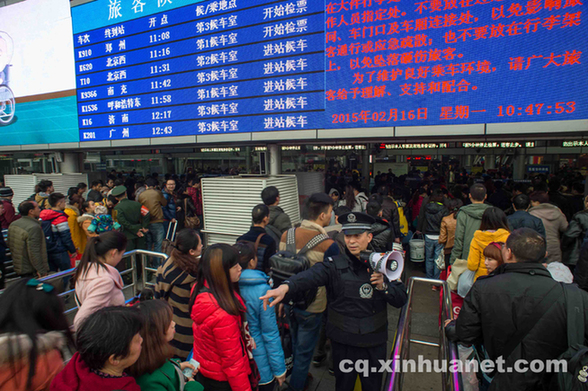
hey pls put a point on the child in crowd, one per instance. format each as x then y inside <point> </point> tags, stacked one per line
<point>102,221</point>
<point>268,354</point>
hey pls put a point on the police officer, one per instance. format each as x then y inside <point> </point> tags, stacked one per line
<point>357,304</point>
<point>132,217</point>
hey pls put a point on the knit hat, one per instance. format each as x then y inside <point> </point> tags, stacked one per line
<point>6,192</point>
<point>100,210</point>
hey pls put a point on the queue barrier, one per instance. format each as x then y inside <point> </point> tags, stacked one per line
<point>136,284</point>
<point>448,350</point>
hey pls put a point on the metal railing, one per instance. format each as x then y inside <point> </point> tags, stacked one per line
<point>451,381</point>
<point>136,284</point>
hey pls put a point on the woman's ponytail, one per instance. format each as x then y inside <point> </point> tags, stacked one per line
<point>96,248</point>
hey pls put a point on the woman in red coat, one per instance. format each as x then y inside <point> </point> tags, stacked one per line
<point>218,313</point>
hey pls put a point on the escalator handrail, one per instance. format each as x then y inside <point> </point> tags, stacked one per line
<point>393,382</point>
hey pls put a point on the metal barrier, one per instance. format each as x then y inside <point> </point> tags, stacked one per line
<point>136,284</point>
<point>452,381</point>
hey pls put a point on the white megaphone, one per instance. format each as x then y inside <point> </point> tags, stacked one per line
<point>390,264</point>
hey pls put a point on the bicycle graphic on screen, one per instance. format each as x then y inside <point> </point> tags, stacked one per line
<point>7,105</point>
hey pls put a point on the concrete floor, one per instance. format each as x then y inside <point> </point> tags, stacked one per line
<point>424,327</point>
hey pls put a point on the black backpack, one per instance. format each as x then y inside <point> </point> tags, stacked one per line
<point>286,264</point>
<point>576,377</point>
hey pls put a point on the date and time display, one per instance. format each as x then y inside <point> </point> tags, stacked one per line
<point>451,112</point>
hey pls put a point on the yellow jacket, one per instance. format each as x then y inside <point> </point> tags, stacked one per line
<point>78,237</point>
<point>480,241</point>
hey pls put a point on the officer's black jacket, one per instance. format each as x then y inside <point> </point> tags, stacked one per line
<point>356,311</point>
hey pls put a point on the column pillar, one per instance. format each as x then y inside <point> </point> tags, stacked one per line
<point>519,167</point>
<point>365,168</point>
<point>490,162</point>
<point>70,163</point>
<point>275,159</point>
<point>248,159</point>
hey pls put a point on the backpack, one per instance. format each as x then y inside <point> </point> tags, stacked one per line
<point>403,222</point>
<point>576,376</point>
<point>288,263</point>
<point>273,233</point>
<point>50,238</point>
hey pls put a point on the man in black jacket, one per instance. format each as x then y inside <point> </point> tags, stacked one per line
<point>390,210</point>
<point>430,225</point>
<point>381,229</point>
<point>500,304</point>
<point>523,219</point>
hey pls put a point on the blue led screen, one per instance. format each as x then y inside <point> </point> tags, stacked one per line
<point>150,68</point>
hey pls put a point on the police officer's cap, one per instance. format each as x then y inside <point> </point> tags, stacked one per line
<point>118,191</point>
<point>356,223</point>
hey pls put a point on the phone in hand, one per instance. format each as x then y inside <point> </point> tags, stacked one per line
<point>189,372</point>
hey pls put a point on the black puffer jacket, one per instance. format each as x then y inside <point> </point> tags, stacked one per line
<point>498,305</point>
<point>390,213</point>
<point>434,213</point>
<point>383,236</point>
<point>581,272</point>
<point>572,239</point>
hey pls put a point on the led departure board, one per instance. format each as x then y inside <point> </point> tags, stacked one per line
<point>172,68</point>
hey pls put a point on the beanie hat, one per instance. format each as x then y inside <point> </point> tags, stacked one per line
<point>6,192</point>
<point>101,210</point>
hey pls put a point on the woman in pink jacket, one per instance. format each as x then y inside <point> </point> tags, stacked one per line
<point>97,282</point>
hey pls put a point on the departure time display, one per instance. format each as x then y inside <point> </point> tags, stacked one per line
<point>162,68</point>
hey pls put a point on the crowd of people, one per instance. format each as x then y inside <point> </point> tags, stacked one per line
<point>218,316</point>
<point>142,209</point>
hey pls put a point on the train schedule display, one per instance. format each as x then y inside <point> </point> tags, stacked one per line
<point>156,68</point>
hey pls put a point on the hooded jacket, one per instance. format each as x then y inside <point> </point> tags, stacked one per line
<point>469,219</point>
<point>78,237</point>
<point>49,361</point>
<point>61,238</point>
<point>383,236</point>
<point>480,241</point>
<point>218,344</point>
<point>555,224</point>
<point>76,376</point>
<point>268,355</point>
<point>500,304</point>
<point>98,288</point>
<point>574,238</point>
<point>279,219</point>
<point>84,221</point>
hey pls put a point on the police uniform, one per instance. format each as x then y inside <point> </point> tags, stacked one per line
<point>131,218</point>
<point>357,312</point>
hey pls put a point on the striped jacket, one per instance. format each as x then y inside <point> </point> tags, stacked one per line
<point>179,298</point>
